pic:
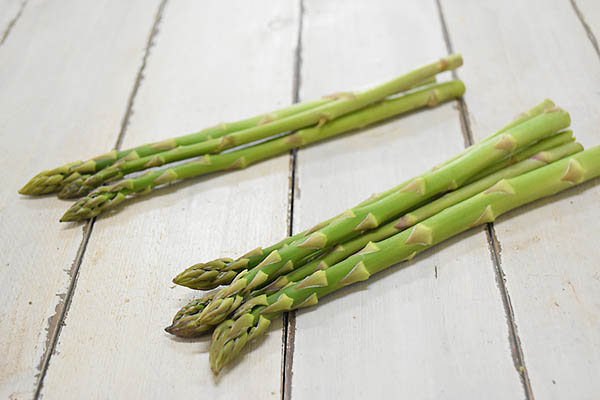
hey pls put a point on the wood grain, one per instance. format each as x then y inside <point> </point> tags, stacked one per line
<point>59,103</point>
<point>207,65</point>
<point>432,328</point>
<point>549,253</point>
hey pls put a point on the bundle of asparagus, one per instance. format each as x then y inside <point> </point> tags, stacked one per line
<point>531,158</point>
<point>313,121</point>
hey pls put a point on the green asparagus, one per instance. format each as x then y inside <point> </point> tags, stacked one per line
<point>419,189</point>
<point>232,335</point>
<point>185,323</point>
<point>253,258</point>
<point>344,104</point>
<point>107,197</point>
<point>546,154</point>
<point>55,179</point>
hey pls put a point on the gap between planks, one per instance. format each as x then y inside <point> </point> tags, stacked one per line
<point>12,22</point>
<point>586,27</point>
<point>493,243</point>
<point>289,318</point>
<point>57,320</point>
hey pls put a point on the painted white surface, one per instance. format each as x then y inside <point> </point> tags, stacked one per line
<point>590,10</point>
<point>65,74</point>
<point>549,249</point>
<point>207,65</point>
<point>9,9</point>
<point>435,329</point>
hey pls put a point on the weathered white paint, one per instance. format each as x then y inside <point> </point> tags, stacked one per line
<point>209,63</point>
<point>435,329</point>
<point>549,249</point>
<point>65,75</point>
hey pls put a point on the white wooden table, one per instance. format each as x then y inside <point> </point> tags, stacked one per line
<point>511,311</point>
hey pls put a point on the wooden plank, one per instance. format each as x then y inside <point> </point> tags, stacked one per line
<point>9,13</point>
<point>435,329</point>
<point>207,65</point>
<point>589,11</point>
<point>62,99</point>
<point>549,250</point>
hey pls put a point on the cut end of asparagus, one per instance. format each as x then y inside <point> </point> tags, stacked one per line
<point>451,62</point>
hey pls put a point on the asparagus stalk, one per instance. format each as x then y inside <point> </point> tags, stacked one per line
<point>109,196</point>
<point>77,185</point>
<point>544,156</point>
<point>206,276</point>
<point>232,335</point>
<point>344,250</point>
<point>254,257</point>
<point>353,223</point>
<point>53,180</point>
<point>544,106</point>
<point>344,104</point>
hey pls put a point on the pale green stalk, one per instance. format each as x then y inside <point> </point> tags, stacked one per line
<point>344,104</point>
<point>64,178</point>
<point>232,335</point>
<point>420,189</point>
<point>546,155</point>
<point>109,196</point>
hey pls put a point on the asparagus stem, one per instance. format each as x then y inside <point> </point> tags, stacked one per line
<point>206,276</point>
<point>507,194</point>
<point>55,179</point>
<point>108,196</point>
<point>543,157</point>
<point>546,155</point>
<point>542,107</point>
<point>257,255</point>
<point>420,189</point>
<point>344,103</point>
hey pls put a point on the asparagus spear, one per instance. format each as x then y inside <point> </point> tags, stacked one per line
<point>109,196</point>
<point>544,106</point>
<point>419,190</point>
<point>77,185</point>
<point>185,323</point>
<point>254,257</point>
<point>232,335</point>
<point>546,155</point>
<point>53,180</point>
<point>206,276</point>
<point>344,104</point>
<point>344,250</point>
